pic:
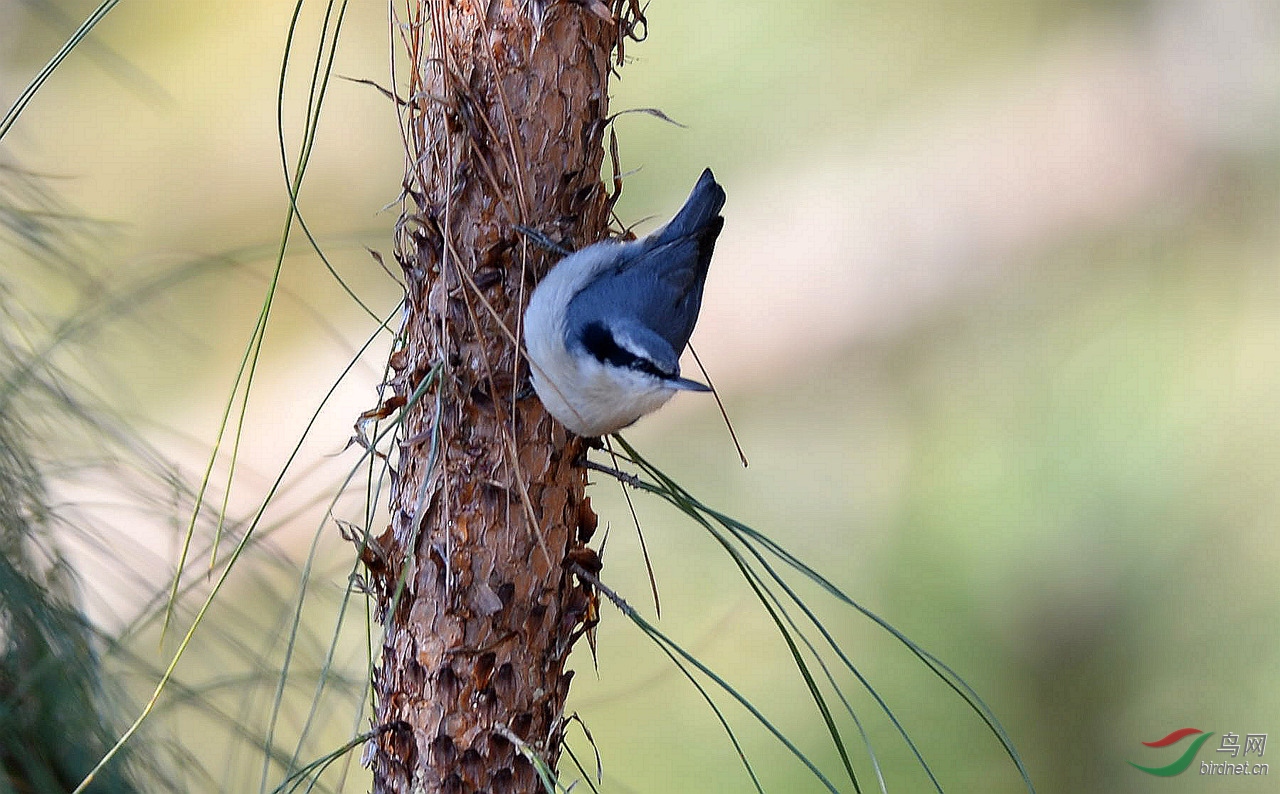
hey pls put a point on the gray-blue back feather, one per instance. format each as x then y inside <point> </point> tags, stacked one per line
<point>658,281</point>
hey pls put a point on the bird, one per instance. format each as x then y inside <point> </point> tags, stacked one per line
<point>605,328</point>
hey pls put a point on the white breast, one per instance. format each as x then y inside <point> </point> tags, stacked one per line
<point>586,396</point>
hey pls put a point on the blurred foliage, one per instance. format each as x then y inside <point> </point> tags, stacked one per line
<point>59,709</point>
<point>88,502</point>
<point>50,678</point>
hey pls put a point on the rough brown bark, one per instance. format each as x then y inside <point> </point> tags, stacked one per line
<point>504,121</point>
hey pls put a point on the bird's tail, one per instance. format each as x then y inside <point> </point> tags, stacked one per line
<point>700,210</point>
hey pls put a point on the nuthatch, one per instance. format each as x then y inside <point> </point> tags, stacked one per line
<point>605,328</point>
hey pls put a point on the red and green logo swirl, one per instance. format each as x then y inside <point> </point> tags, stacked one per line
<point>1179,766</point>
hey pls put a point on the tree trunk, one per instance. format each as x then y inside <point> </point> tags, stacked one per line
<point>504,122</point>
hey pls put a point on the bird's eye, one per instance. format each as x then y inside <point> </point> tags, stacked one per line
<point>600,343</point>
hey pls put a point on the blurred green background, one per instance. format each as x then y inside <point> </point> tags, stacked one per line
<point>996,315</point>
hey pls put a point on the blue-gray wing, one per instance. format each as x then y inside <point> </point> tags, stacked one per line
<point>657,282</point>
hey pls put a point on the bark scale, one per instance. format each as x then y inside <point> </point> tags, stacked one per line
<point>504,122</point>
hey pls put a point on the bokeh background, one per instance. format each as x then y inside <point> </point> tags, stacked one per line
<point>996,315</point>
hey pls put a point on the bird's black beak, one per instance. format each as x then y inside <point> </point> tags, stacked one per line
<point>684,384</point>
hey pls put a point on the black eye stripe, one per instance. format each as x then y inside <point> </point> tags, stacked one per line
<point>599,342</point>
